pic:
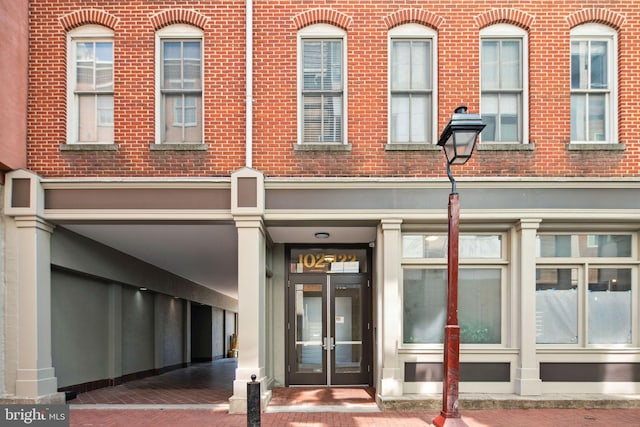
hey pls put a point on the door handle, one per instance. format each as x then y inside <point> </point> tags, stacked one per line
<point>324,343</point>
<point>332,343</point>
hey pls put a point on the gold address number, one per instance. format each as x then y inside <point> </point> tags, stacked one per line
<point>321,260</point>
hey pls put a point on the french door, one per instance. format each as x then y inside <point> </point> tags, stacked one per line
<point>328,329</point>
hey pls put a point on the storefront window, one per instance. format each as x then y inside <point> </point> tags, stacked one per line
<point>425,306</point>
<point>435,246</point>
<point>584,304</point>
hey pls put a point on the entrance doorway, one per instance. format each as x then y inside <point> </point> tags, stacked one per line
<point>329,327</point>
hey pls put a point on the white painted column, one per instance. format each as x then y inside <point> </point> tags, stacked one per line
<point>35,379</point>
<point>391,383</point>
<point>527,380</point>
<point>251,307</point>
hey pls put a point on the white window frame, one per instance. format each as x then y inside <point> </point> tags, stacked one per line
<point>507,31</point>
<point>322,31</point>
<point>599,32</point>
<point>583,264</point>
<point>91,33</point>
<point>497,263</point>
<point>178,32</point>
<point>416,32</point>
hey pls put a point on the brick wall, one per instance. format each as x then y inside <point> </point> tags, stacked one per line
<point>134,23</point>
<point>367,23</point>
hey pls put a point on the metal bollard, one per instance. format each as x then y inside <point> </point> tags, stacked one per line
<point>253,403</point>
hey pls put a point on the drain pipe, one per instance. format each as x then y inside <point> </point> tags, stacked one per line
<point>249,84</point>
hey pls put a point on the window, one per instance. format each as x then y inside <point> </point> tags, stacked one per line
<point>503,84</point>
<point>90,97</point>
<point>180,85</point>
<point>584,289</point>
<point>592,84</point>
<point>412,82</point>
<point>322,86</point>
<point>424,288</point>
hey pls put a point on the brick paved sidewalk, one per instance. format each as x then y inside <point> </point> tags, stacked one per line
<point>476,418</point>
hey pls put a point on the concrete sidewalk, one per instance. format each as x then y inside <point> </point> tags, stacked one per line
<point>201,415</point>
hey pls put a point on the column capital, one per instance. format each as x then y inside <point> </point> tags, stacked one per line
<point>24,195</point>
<point>33,221</point>
<point>528,224</point>
<point>391,223</point>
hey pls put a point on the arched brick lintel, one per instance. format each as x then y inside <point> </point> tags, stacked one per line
<point>598,16</point>
<point>505,16</point>
<point>178,16</point>
<point>322,16</point>
<point>413,16</point>
<point>88,16</point>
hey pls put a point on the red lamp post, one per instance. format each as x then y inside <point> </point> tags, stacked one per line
<point>458,140</point>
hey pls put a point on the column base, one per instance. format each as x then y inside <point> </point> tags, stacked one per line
<point>238,404</point>
<point>527,382</point>
<point>391,382</point>
<point>57,398</point>
<point>33,383</point>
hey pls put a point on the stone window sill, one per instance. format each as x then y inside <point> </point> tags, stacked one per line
<point>394,146</point>
<point>505,147</point>
<point>178,147</point>
<point>322,147</point>
<point>595,147</point>
<point>88,147</point>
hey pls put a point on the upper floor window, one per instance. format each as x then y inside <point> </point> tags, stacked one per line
<point>503,83</point>
<point>412,71</point>
<point>593,83</point>
<point>180,85</point>
<point>90,85</point>
<point>322,88</point>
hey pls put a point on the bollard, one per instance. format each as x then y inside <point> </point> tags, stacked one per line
<point>253,403</point>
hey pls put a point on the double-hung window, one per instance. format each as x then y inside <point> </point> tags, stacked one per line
<point>90,97</point>
<point>411,84</point>
<point>322,86</point>
<point>592,84</point>
<point>503,84</point>
<point>180,85</point>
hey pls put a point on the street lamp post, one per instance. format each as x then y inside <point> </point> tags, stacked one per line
<point>458,140</point>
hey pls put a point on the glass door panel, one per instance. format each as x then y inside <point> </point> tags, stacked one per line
<point>307,330</point>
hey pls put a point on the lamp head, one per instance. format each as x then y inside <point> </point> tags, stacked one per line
<point>459,137</point>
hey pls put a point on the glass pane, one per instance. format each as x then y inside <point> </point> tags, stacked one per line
<point>509,121</point>
<point>172,119</point>
<point>400,65</point>
<point>420,58</point>
<point>105,110</point>
<point>425,305</point>
<point>420,112</point>
<point>480,305</point>
<point>308,328</point>
<point>579,76</point>
<point>609,306</point>
<point>311,63</point>
<point>191,65</point>
<point>435,246</point>
<point>312,118</point>
<point>87,120</point>
<point>348,328</point>
<point>84,65</point>
<point>510,65</point>
<point>332,67</point>
<point>192,121</point>
<point>335,260</point>
<point>556,305</point>
<point>599,61</point>
<point>584,245</point>
<point>400,118</point>
<point>597,117</point>
<point>424,300</point>
<point>172,65</point>
<point>104,66</point>
<point>489,64</point>
<point>578,117</point>
<point>490,117</point>
<point>332,119</point>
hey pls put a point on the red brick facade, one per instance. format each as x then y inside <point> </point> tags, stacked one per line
<point>366,23</point>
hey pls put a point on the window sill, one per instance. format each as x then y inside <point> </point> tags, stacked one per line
<point>322,147</point>
<point>572,146</point>
<point>88,147</point>
<point>505,147</point>
<point>394,146</point>
<point>178,147</point>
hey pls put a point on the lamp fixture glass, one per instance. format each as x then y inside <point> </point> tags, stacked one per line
<point>322,235</point>
<point>459,137</point>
